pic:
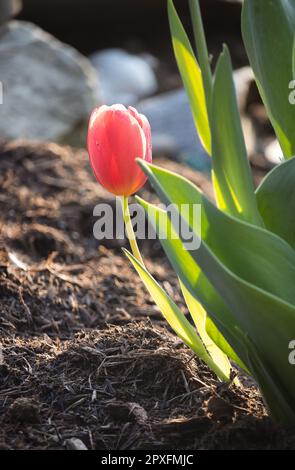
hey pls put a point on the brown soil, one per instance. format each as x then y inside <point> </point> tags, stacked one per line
<point>86,354</point>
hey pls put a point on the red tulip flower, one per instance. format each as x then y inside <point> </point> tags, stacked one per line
<point>116,137</point>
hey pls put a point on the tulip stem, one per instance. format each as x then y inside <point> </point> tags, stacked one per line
<point>129,229</point>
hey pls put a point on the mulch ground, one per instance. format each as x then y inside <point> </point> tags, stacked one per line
<point>85,353</point>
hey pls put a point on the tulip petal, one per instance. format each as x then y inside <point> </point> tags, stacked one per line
<point>116,137</point>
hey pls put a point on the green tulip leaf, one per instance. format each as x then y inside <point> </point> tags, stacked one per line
<point>276,201</point>
<point>232,177</point>
<point>191,76</point>
<point>258,295</point>
<point>253,253</point>
<point>271,388</point>
<point>177,320</point>
<point>203,290</point>
<point>268,30</point>
<point>202,323</point>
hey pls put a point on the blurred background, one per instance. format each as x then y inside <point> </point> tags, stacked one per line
<point>140,26</point>
<point>109,51</point>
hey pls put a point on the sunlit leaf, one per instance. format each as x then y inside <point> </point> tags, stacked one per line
<point>191,76</point>
<point>253,253</point>
<point>176,318</point>
<point>231,170</point>
<point>183,259</point>
<point>202,322</point>
<point>264,308</point>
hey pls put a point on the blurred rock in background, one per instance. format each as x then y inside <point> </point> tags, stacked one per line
<point>123,77</point>
<point>49,88</point>
<point>174,132</point>
<point>273,152</point>
<point>8,9</point>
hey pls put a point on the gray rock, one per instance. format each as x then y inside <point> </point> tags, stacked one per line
<point>9,8</point>
<point>273,152</point>
<point>173,128</point>
<point>48,87</point>
<point>249,136</point>
<point>243,78</point>
<point>123,78</point>
<point>75,444</point>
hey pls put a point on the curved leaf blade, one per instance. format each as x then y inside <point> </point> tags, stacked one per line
<point>256,312</point>
<point>271,388</point>
<point>191,76</point>
<point>200,319</point>
<point>232,177</point>
<point>264,22</point>
<point>176,318</point>
<point>203,290</point>
<point>268,319</point>
<point>276,201</point>
<point>252,253</point>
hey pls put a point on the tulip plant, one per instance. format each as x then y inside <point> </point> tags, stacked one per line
<point>239,283</point>
<point>116,136</point>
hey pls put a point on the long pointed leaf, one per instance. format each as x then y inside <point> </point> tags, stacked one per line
<point>268,319</point>
<point>176,318</point>
<point>200,318</point>
<point>231,170</point>
<point>252,253</point>
<point>255,311</point>
<point>202,50</point>
<point>191,76</point>
<point>268,30</point>
<point>206,294</point>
